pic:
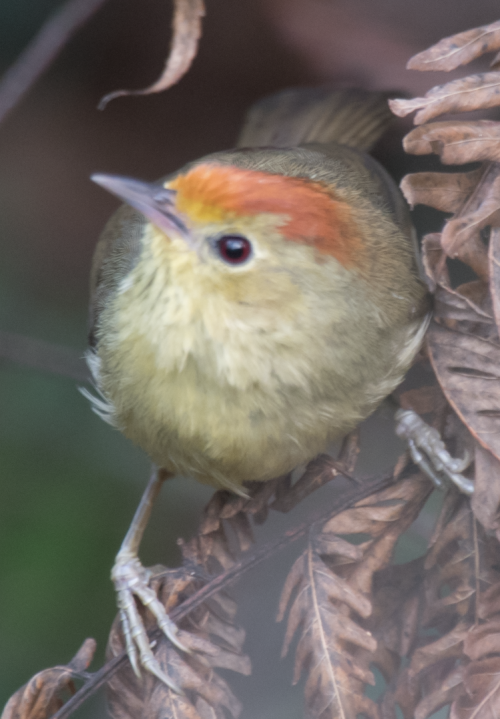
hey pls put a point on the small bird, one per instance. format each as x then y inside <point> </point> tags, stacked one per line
<point>252,307</point>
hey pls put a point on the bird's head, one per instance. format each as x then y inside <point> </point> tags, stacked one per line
<point>247,271</point>
<point>238,221</point>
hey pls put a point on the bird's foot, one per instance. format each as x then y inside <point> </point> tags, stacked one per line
<point>428,451</point>
<point>131,580</point>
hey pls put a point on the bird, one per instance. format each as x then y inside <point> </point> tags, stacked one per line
<point>252,307</point>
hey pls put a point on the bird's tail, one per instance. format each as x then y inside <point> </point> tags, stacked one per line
<point>352,117</point>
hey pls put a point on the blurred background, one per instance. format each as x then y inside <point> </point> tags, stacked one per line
<point>69,484</point>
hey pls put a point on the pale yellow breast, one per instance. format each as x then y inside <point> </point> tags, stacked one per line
<point>240,379</point>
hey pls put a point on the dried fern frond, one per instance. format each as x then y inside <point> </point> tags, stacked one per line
<point>214,641</point>
<point>458,613</point>
<point>463,341</point>
<point>328,593</point>
<point>41,696</point>
<point>481,677</point>
<point>445,611</point>
<point>209,631</point>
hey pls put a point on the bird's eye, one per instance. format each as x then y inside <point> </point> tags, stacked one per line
<point>234,249</point>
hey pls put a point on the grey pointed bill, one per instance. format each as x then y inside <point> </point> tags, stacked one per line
<point>156,202</point>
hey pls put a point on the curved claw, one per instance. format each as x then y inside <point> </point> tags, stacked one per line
<point>419,459</point>
<point>131,579</point>
<point>151,601</point>
<point>464,484</point>
<point>129,644</point>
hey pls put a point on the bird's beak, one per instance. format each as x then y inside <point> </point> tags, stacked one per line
<point>156,202</point>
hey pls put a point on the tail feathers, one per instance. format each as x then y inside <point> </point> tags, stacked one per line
<point>352,117</point>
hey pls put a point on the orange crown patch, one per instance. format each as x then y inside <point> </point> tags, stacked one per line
<point>312,215</point>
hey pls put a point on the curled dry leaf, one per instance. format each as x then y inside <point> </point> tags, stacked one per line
<point>40,697</point>
<point>434,261</point>
<point>469,304</point>
<point>477,296</point>
<point>328,591</point>
<point>468,313</point>
<point>456,143</point>
<point>450,52</point>
<point>474,197</point>
<point>475,92</point>
<point>461,235</point>
<point>468,370</point>
<point>186,31</point>
<point>447,192</point>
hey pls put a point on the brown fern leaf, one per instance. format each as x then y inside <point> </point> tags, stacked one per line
<point>215,641</point>
<point>41,696</point>
<point>475,92</point>
<point>456,142</point>
<point>443,609</point>
<point>467,367</point>
<point>329,590</point>
<point>186,32</point>
<point>212,548</point>
<point>396,613</point>
<point>451,567</point>
<point>473,197</point>
<point>446,192</point>
<point>465,354</point>
<point>319,471</point>
<point>460,566</point>
<point>466,341</point>
<point>459,49</point>
<point>480,696</point>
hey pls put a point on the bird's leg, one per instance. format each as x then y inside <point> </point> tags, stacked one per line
<point>131,580</point>
<point>428,451</point>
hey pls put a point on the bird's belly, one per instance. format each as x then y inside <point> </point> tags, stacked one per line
<point>254,414</point>
<point>225,436</point>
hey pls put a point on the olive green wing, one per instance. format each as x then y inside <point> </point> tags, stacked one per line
<point>116,254</point>
<point>298,116</point>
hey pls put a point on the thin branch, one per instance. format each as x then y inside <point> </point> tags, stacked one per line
<point>223,580</point>
<point>43,356</point>
<point>42,50</point>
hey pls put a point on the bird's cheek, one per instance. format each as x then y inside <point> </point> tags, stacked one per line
<point>259,290</point>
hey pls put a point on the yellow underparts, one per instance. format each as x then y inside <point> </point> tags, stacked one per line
<point>235,376</point>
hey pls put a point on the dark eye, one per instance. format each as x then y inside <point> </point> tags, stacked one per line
<point>234,249</point>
